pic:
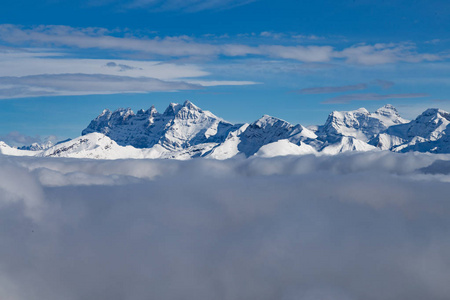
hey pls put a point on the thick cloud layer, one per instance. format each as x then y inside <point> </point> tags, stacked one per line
<point>352,226</point>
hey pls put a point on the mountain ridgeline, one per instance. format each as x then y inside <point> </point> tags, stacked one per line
<point>179,127</point>
<point>185,131</point>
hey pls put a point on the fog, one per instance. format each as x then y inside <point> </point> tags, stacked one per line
<point>351,226</point>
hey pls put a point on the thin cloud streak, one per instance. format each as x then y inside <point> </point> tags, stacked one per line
<point>384,84</point>
<point>83,84</point>
<point>333,89</point>
<point>379,54</point>
<point>185,5</point>
<point>96,84</point>
<point>345,88</point>
<point>372,97</point>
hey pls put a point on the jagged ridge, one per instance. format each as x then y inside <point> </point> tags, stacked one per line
<point>186,131</point>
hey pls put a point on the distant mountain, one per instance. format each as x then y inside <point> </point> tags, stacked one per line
<point>429,132</point>
<point>5,149</point>
<point>185,131</point>
<point>94,145</point>
<point>359,123</point>
<point>37,146</point>
<point>41,146</point>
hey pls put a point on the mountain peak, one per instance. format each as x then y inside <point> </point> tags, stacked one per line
<point>172,109</point>
<point>389,106</point>
<point>105,112</point>
<point>188,104</point>
<point>436,112</point>
<point>340,115</point>
<point>361,110</point>
<point>433,115</point>
<point>387,110</point>
<point>267,120</point>
<point>152,110</point>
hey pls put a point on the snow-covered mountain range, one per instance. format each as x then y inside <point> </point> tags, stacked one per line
<point>185,131</point>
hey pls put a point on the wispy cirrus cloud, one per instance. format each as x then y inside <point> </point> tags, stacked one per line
<point>182,46</point>
<point>91,38</point>
<point>372,97</point>
<point>300,53</point>
<point>188,6</point>
<point>185,5</point>
<point>176,63</point>
<point>384,53</point>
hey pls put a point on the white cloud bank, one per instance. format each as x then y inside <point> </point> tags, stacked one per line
<point>352,226</point>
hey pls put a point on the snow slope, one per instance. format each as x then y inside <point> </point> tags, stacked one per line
<point>345,144</point>
<point>98,146</point>
<point>94,145</point>
<point>5,149</point>
<point>284,148</point>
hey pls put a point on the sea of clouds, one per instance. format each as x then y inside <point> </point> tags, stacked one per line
<point>351,226</point>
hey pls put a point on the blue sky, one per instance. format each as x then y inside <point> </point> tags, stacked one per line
<point>62,62</point>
